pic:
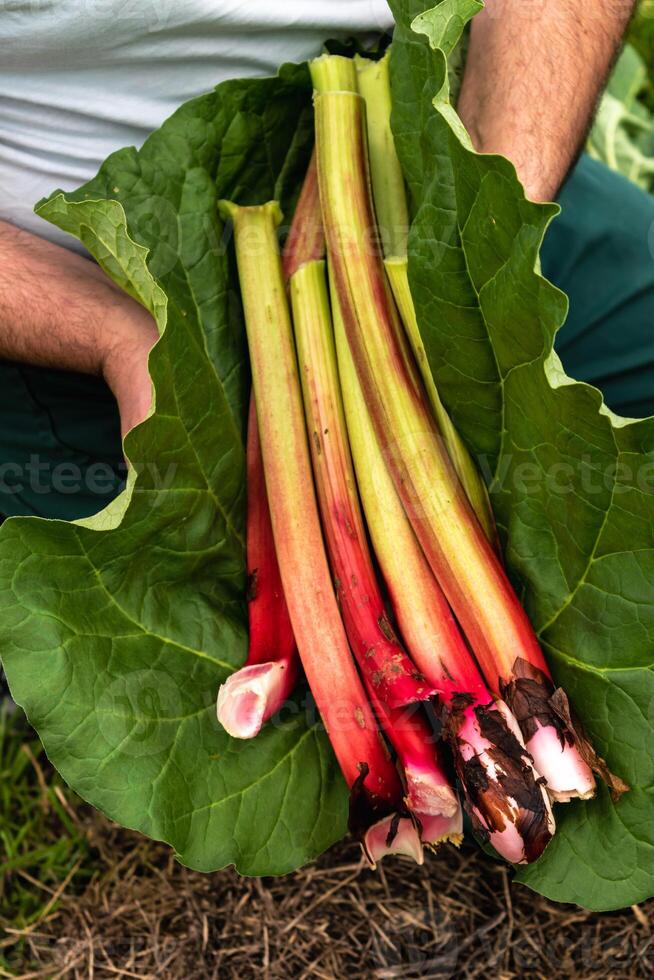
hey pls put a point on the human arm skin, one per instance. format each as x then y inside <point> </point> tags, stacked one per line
<point>60,310</point>
<point>533,76</point>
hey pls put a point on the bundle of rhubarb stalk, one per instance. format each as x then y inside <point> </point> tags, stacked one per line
<point>375,567</point>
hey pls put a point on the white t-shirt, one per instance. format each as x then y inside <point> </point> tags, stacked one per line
<point>81,78</point>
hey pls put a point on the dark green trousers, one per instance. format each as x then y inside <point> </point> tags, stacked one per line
<point>60,452</point>
<point>600,251</point>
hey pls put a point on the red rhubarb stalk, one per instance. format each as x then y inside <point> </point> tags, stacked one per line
<point>429,793</point>
<point>315,617</point>
<point>306,238</point>
<point>450,535</point>
<point>507,804</point>
<point>253,694</point>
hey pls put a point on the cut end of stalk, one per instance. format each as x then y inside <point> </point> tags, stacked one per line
<point>371,67</point>
<point>427,793</point>
<point>438,829</point>
<point>568,777</point>
<point>507,802</point>
<point>392,835</point>
<point>333,73</point>
<point>562,754</point>
<point>251,696</point>
<point>230,211</point>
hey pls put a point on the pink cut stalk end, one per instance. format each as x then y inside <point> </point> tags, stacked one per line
<point>562,754</point>
<point>439,829</point>
<point>568,776</point>
<point>392,835</point>
<point>252,695</point>
<point>428,792</point>
<point>428,789</point>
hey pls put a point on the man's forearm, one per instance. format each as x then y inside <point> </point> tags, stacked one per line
<point>56,308</point>
<point>59,310</point>
<point>534,73</point>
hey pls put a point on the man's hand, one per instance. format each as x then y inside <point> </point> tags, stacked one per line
<point>125,364</point>
<point>534,73</point>
<point>60,310</point>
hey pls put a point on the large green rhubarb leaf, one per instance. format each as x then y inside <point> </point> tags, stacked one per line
<point>118,630</point>
<point>573,486</point>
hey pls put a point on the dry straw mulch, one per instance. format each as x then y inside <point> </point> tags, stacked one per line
<point>143,915</point>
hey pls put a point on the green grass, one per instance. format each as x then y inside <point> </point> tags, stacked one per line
<point>42,844</point>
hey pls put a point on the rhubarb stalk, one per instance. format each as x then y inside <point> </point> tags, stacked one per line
<point>390,677</point>
<point>507,804</point>
<point>388,187</point>
<point>253,694</point>
<point>315,618</point>
<point>429,793</point>
<point>450,535</point>
<point>306,237</point>
<point>390,202</point>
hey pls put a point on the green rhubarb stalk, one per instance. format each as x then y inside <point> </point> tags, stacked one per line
<point>251,695</point>
<point>306,579</point>
<point>389,193</point>
<point>458,551</point>
<point>390,201</point>
<point>397,270</point>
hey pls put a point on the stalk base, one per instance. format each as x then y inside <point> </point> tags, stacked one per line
<point>437,830</point>
<point>392,835</point>
<point>428,794</point>
<point>507,803</point>
<point>562,753</point>
<point>251,696</point>
<point>568,777</point>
